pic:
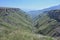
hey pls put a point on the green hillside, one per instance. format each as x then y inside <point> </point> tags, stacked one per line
<point>15,24</point>
<point>48,23</point>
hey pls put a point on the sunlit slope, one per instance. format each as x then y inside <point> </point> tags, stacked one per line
<point>13,19</point>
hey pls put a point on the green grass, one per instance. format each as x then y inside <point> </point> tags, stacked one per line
<point>24,35</point>
<point>46,25</point>
<point>18,26</point>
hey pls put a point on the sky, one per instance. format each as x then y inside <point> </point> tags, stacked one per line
<point>29,4</point>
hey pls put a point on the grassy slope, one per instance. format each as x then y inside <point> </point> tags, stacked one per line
<point>16,25</point>
<point>46,25</point>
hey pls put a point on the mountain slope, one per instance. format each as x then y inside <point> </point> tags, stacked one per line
<point>15,24</point>
<point>48,23</point>
<point>12,19</point>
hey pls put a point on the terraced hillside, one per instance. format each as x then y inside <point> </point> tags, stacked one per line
<point>15,24</point>
<point>48,23</point>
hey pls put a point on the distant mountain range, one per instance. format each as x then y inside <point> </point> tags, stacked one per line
<point>34,13</point>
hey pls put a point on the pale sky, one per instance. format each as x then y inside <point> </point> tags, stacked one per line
<point>29,4</point>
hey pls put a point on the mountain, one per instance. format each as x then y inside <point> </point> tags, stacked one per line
<point>48,23</point>
<point>12,21</point>
<point>35,13</point>
<point>15,24</point>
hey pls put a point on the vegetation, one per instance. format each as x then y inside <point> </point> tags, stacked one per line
<point>48,23</point>
<point>17,25</point>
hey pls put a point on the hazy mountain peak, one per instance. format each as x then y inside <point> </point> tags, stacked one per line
<point>35,13</point>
